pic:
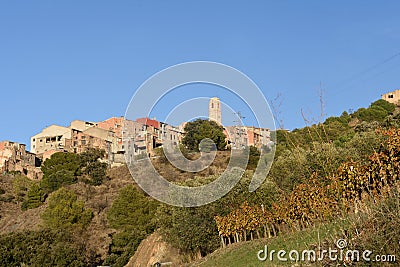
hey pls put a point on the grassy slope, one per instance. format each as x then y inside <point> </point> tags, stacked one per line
<point>245,253</point>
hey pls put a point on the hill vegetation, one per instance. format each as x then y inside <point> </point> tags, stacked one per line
<point>344,170</point>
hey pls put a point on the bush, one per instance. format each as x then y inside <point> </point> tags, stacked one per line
<point>35,197</point>
<point>377,111</point>
<point>194,230</point>
<point>254,157</point>
<point>21,185</point>
<point>123,246</point>
<point>378,228</point>
<point>190,229</point>
<point>42,248</point>
<point>7,198</point>
<point>389,107</point>
<point>65,210</point>
<point>132,209</point>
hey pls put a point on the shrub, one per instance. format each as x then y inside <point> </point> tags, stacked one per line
<point>21,185</point>
<point>42,248</point>
<point>35,197</point>
<point>65,211</point>
<point>132,209</point>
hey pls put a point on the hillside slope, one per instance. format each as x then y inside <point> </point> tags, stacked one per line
<point>245,253</point>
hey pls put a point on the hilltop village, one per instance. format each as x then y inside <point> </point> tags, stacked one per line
<point>122,140</point>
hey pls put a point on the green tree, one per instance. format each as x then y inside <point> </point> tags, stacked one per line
<point>132,213</point>
<point>61,169</point>
<point>123,247</point>
<point>199,129</point>
<point>21,185</point>
<point>65,210</point>
<point>389,107</point>
<point>132,209</point>
<point>35,197</point>
<point>193,230</point>
<point>254,157</point>
<point>45,247</point>
<point>92,167</point>
<point>377,111</point>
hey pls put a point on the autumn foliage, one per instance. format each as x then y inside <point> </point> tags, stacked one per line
<point>321,198</point>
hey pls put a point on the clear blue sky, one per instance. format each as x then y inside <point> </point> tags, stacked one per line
<point>66,60</point>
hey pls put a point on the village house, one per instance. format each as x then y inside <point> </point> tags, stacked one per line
<point>86,135</point>
<point>52,138</point>
<point>15,158</point>
<point>125,140</point>
<point>158,133</point>
<point>121,139</point>
<point>241,136</point>
<point>116,125</point>
<point>392,97</point>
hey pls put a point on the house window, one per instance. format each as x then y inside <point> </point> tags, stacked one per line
<point>390,96</point>
<point>83,142</point>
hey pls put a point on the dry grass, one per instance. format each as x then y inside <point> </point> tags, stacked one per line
<point>173,174</point>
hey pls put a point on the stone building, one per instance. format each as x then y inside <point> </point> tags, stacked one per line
<point>241,136</point>
<point>133,139</point>
<point>392,97</point>
<point>170,135</point>
<point>114,124</point>
<point>120,138</point>
<point>86,135</point>
<point>152,134</point>
<point>54,137</point>
<point>14,157</point>
<point>142,136</point>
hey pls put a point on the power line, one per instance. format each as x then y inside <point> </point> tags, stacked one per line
<point>341,85</point>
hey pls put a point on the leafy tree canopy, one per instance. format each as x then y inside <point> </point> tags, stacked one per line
<point>42,248</point>
<point>200,129</point>
<point>132,209</point>
<point>65,210</point>
<point>35,197</point>
<point>92,167</point>
<point>133,214</point>
<point>61,169</point>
